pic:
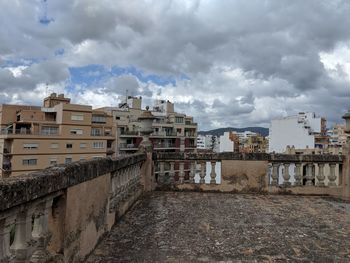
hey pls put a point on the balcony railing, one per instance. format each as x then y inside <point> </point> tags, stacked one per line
<point>28,132</point>
<point>133,133</point>
<point>129,146</point>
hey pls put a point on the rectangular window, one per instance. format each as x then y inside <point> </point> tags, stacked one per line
<point>77,117</point>
<point>53,161</point>
<point>68,160</point>
<point>96,132</point>
<point>83,145</point>
<point>179,119</point>
<point>49,130</point>
<point>96,157</point>
<point>30,145</point>
<point>76,131</point>
<point>82,158</point>
<point>97,145</point>
<point>69,145</point>
<point>98,119</point>
<point>29,161</point>
<point>54,146</point>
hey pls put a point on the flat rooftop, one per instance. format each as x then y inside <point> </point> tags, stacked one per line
<point>214,227</point>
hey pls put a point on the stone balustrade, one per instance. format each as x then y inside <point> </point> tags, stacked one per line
<point>254,172</point>
<point>59,214</point>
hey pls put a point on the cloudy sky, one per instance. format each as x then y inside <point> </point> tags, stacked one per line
<point>226,62</point>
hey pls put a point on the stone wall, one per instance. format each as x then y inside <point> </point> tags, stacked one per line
<point>73,207</point>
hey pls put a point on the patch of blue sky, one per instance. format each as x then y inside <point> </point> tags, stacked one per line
<point>18,62</point>
<point>157,79</point>
<point>94,74</point>
<point>88,75</point>
<point>59,52</point>
<point>45,20</point>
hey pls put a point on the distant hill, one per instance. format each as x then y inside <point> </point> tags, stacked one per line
<point>261,130</point>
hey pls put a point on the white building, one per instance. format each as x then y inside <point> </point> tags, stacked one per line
<point>204,142</point>
<point>298,131</point>
<point>226,143</point>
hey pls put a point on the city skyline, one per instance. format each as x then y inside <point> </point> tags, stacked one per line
<point>254,61</point>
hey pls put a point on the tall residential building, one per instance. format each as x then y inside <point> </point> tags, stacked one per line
<point>302,131</point>
<point>33,137</point>
<point>172,131</point>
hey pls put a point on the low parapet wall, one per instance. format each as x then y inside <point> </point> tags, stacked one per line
<point>72,207</point>
<point>254,173</point>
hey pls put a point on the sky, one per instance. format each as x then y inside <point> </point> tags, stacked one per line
<point>226,62</point>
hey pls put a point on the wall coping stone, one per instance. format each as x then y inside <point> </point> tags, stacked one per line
<point>288,158</point>
<point>21,189</point>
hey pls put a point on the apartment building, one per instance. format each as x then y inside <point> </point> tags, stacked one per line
<point>303,131</point>
<point>33,137</point>
<point>172,131</point>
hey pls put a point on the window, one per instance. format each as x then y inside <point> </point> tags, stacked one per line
<point>82,158</point>
<point>68,160</point>
<point>30,145</point>
<point>98,119</point>
<point>83,145</point>
<point>179,119</point>
<point>98,145</point>
<point>69,145</point>
<point>29,161</point>
<point>76,131</point>
<point>54,146</point>
<point>49,130</point>
<point>53,161</point>
<point>77,117</point>
<point>96,157</point>
<point>96,132</point>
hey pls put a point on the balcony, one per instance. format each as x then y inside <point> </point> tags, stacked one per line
<point>128,147</point>
<point>129,134</point>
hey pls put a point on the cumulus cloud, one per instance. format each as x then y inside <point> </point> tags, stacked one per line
<point>233,62</point>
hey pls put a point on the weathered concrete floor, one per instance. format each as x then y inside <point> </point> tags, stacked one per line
<point>212,227</point>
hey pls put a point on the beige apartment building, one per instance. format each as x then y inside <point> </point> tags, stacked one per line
<point>173,131</point>
<point>33,137</point>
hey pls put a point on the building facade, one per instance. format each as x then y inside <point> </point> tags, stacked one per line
<point>172,131</point>
<point>33,137</point>
<point>302,131</point>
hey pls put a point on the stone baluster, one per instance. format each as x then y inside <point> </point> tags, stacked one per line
<point>275,173</point>
<point>309,175</point>
<point>23,234</point>
<point>5,229</point>
<point>202,174</point>
<point>297,174</point>
<point>332,177</point>
<point>286,175</point>
<point>41,232</point>
<point>192,172</point>
<point>213,173</point>
<point>161,174</point>
<point>182,172</point>
<point>172,172</point>
<point>320,176</point>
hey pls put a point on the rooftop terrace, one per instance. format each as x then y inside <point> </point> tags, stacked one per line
<point>216,207</point>
<point>212,227</point>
